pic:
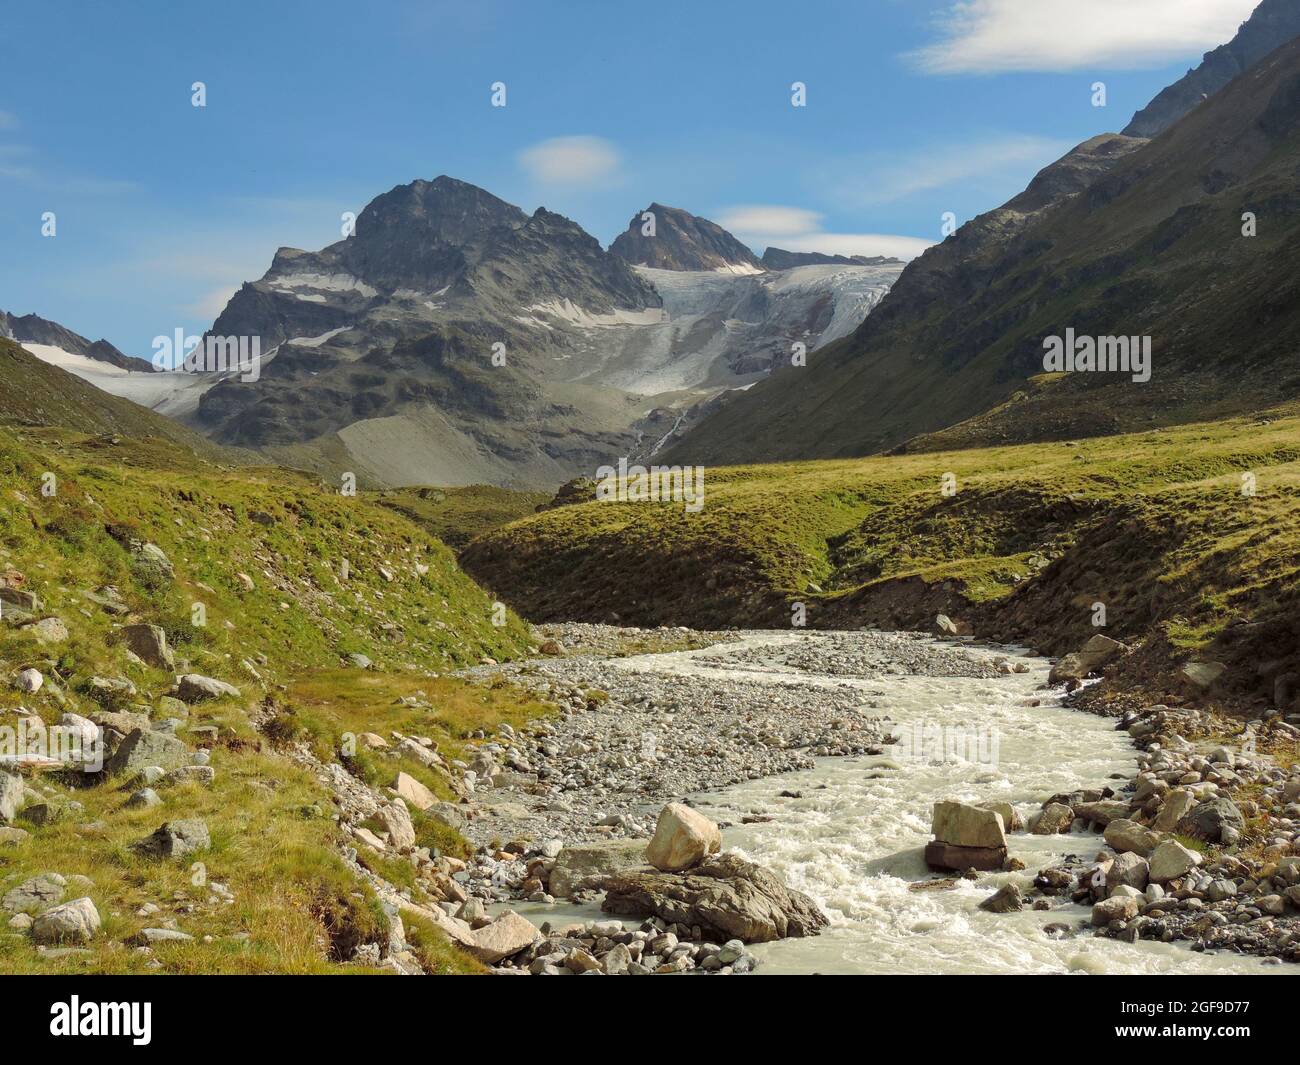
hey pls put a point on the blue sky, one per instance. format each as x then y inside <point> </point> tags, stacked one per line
<point>914,108</point>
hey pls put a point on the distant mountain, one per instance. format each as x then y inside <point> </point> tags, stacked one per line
<point>780,259</point>
<point>32,329</point>
<point>1271,25</point>
<point>1121,238</point>
<point>682,241</point>
<point>454,339</point>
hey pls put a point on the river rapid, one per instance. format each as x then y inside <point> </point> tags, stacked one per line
<point>853,838</point>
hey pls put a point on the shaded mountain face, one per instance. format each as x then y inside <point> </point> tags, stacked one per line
<point>1121,237</point>
<point>1271,25</point>
<point>780,259</point>
<point>32,329</point>
<point>682,241</point>
<point>454,339</point>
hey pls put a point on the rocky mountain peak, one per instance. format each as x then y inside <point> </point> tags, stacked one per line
<point>33,329</point>
<point>683,241</point>
<point>1272,24</point>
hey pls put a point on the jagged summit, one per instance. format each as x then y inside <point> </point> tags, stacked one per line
<point>683,241</point>
<point>1272,24</point>
<point>31,329</point>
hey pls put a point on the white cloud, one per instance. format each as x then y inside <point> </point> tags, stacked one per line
<point>768,219</point>
<point>988,36</point>
<point>571,161</point>
<point>796,229</point>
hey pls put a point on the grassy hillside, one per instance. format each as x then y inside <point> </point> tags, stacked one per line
<point>1154,525</point>
<point>33,393</point>
<point>457,515</point>
<point>263,551</point>
<point>1121,238</point>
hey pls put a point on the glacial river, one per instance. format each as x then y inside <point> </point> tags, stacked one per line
<point>854,840</point>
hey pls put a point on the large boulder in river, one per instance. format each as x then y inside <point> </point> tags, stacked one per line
<point>1053,819</point>
<point>683,838</point>
<point>1102,812</point>
<point>1090,658</point>
<point>966,837</point>
<point>726,896</point>
<point>589,864</point>
<point>964,825</point>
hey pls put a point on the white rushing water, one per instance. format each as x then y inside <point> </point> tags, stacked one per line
<point>853,841</point>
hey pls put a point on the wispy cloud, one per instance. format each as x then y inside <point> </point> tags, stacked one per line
<point>872,180</point>
<point>8,120</point>
<point>13,162</point>
<point>797,229</point>
<point>770,220</point>
<point>571,161</point>
<point>991,36</point>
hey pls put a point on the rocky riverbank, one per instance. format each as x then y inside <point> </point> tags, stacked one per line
<point>1201,845</point>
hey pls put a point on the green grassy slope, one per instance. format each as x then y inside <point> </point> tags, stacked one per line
<point>1154,525</point>
<point>34,393</point>
<point>262,550</point>
<point>1152,245</point>
<point>457,515</point>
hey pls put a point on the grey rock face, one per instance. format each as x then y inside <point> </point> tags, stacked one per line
<point>681,241</point>
<point>1272,24</point>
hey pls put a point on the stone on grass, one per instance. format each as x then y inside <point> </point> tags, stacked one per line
<point>35,894</point>
<point>11,795</point>
<point>72,922</point>
<point>195,688</point>
<point>394,820</point>
<point>30,681</point>
<point>144,748</point>
<point>413,793</point>
<point>149,642</point>
<point>175,839</point>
